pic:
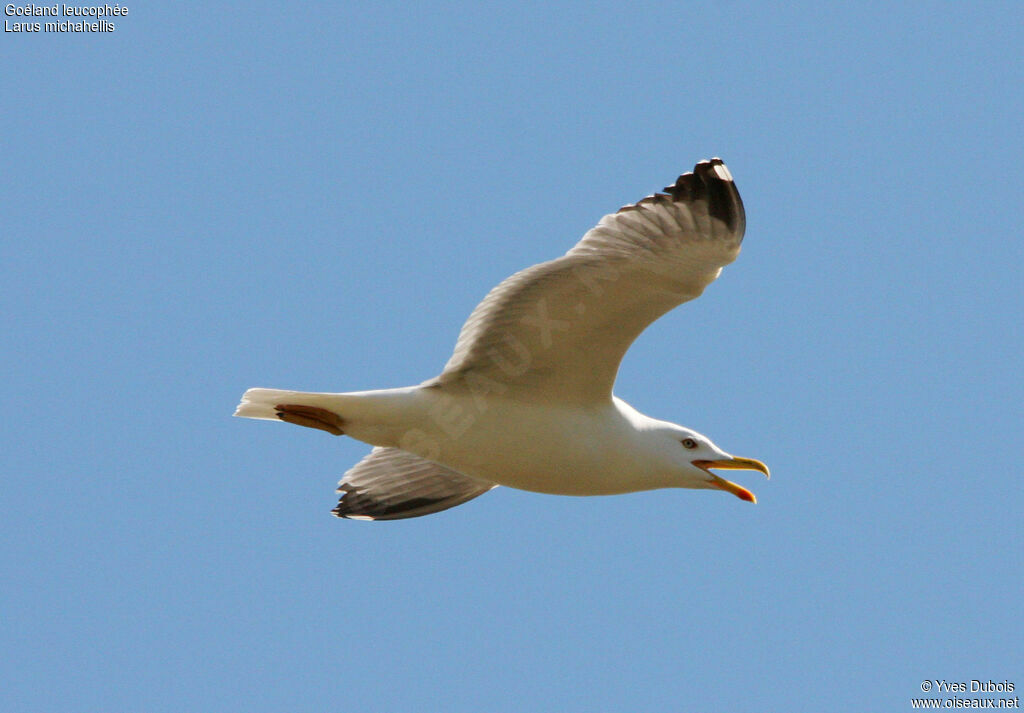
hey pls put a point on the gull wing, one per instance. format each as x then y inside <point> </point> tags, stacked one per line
<point>391,484</point>
<point>557,331</point>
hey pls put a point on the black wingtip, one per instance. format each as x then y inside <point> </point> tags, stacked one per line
<point>355,505</point>
<point>711,181</point>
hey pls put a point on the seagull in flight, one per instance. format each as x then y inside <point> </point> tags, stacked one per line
<point>526,399</point>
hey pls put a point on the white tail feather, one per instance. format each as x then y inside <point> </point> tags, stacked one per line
<point>260,403</point>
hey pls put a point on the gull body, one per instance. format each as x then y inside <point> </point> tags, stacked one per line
<point>526,399</point>
<point>540,447</point>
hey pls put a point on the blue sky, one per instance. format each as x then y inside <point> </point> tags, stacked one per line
<point>211,198</point>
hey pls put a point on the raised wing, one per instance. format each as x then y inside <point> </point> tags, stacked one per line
<point>391,484</point>
<point>557,331</point>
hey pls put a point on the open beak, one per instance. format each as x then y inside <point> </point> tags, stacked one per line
<point>732,464</point>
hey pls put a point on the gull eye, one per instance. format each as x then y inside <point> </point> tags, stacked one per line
<point>689,443</point>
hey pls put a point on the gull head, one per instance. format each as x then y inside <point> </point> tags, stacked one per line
<point>696,456</point>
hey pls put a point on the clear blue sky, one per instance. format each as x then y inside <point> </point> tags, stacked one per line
<point>315,196</point>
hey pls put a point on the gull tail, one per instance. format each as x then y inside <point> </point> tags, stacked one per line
<point>261,403</point>
<point>303,408</point>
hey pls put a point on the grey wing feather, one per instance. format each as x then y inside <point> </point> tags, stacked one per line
<point>561,328</point>
<point>392,484</point>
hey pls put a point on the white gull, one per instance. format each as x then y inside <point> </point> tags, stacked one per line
<point>526,399</point>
